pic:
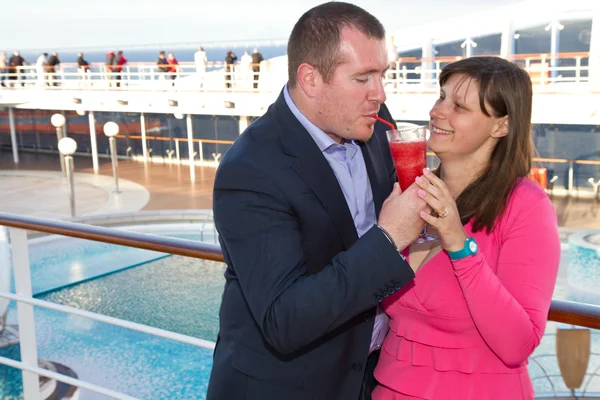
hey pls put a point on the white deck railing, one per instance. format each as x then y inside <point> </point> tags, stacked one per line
<point>561,311</point>
<point>404,75</point>
<point>26,302</point>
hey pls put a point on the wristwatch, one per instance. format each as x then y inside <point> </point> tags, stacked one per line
<point>471,248</point>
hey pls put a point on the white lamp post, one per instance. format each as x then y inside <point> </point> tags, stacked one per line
<point>58,120</point>
<point>67,147</point>
<point>111,129</point>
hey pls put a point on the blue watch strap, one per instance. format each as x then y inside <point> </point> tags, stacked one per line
<point>470,248</point>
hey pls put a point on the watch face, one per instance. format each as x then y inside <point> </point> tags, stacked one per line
<point>473,247</point>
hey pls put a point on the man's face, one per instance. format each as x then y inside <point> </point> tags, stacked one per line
<point>347,104</point>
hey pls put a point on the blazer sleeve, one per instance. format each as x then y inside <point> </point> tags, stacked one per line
<point>262,237</point>
<point>510,307</point>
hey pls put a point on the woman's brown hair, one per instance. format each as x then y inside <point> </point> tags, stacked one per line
<point>506,88</point>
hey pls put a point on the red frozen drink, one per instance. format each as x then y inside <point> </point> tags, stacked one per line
<point>410,158</point>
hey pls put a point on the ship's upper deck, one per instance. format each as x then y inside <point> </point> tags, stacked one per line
<point>568,93</point>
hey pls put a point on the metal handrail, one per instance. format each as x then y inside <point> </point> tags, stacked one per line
<point>66,379</point>
<point>144,76</point>
<point>206,344</point>
<point>568,312</point>
<point>182,247</point>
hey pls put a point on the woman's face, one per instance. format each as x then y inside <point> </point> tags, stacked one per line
<point>459,129</point>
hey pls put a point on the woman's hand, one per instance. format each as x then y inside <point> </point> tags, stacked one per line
<point>447,222</point>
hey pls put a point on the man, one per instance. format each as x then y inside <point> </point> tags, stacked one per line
<point>16,64</point>
<point>230,60</point>
<point>83,68</point>
<point>52,63</point>
<point>245,69</point>
<point>3,67</point>
<point>201,62</point>
<point>162,65</point>
<point>40,69</point>
<point>118,64</point>
<point>82,63</point>
<point>296,200</point>
<point>257,58</point>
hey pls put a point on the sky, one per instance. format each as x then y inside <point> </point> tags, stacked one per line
<point>71,24</point>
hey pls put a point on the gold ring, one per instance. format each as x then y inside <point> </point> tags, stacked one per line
<point>444,214</point>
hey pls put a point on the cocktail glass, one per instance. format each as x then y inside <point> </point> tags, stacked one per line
<point>409,151</point>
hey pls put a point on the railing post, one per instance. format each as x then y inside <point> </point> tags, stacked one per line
<point>177,151</point>
<point>544,70</point>
<point>20,256</point>
<point>13,135</point>
<point>200,151</point>
<point>143,132</point>
<point>190,140</point>
<point>93,141</point>
<point>570,182</point>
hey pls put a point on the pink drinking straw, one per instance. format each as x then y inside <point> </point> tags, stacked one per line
<point>392,127</point>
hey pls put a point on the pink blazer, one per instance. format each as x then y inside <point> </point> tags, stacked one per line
<point>465,329</point>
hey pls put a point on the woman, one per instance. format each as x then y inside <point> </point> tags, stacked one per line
<point>173,66</point>
<point>477,308</point>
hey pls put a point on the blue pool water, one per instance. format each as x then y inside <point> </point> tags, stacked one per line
<point>174,293</point>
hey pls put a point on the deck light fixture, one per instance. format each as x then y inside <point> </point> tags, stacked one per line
<point>67,147</point>
<point>58,120</point>
<point>111,129</point>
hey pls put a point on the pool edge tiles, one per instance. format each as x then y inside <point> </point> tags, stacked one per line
<point>584,266</point>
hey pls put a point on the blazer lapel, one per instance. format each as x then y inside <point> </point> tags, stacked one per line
<point>375,160</point>
<point>376,189</point>
<point>313,168</point>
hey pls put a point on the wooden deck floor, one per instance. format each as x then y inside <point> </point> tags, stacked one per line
<point>170,187</point>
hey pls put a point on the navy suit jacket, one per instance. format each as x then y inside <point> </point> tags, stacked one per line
<point>301,288</point>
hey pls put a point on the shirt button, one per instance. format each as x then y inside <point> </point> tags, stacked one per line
<point>356,367</point>
<point>367,316</point>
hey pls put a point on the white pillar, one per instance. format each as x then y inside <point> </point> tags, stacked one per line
<point>594,61</point>
<point>427,63</point>
<point>13,135</point>
<point>507,44</point>
<point>143,130</point>
<point>93,141</point>
<point>468,45</point>
<point>4,271</point>
<point>22,273</point>
<point>190,137</point>
<point>243,123</point>
<point>554,27</point>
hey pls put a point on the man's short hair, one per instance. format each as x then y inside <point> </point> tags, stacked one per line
<point>316,37</point>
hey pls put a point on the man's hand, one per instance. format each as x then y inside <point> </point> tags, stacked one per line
<point>400,217</point>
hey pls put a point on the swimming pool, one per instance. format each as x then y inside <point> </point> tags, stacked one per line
<point>176,293</point>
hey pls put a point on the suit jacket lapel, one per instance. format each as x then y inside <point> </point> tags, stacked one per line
<point>376,189</point>
<point>375,160</point>
<point>314,169</point>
